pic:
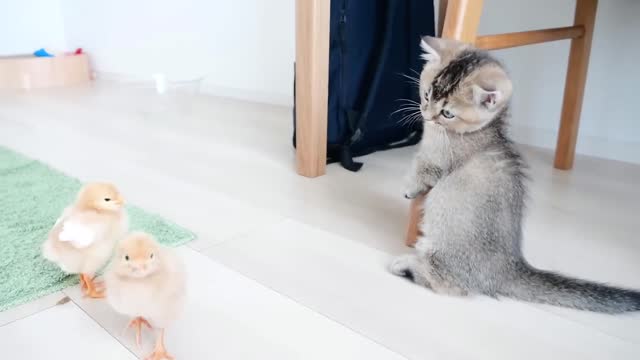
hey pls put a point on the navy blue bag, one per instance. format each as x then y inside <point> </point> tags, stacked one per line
<point>373,45</point>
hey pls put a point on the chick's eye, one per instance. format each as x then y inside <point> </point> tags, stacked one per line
<point>126,257</point>
<point>151,256</point>
<point>446,113</point>
<point>107,199</point>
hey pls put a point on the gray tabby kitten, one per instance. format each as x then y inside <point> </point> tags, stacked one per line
<point>472,225</point>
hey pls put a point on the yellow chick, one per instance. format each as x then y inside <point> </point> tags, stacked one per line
<point>84,237</point>
<point>147,282</point>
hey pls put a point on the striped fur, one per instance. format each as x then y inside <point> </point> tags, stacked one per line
<point>472,224</point>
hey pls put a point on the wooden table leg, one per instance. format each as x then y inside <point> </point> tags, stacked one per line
<point>415,217</point>
<point>574,85</point>
<point>312,81</point>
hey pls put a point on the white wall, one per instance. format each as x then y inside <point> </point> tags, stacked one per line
<point>27,25</point>
<point>610,125</point>
<point>243,47</point>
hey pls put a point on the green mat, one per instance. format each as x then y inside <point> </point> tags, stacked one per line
<point>32,196</point>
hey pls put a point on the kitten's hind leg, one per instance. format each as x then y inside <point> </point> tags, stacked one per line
<point>409,266</point>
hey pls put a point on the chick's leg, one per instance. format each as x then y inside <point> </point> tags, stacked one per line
<point>91,288</point>
<point>137,324</point>
<point>83,282</point>
<point>159,352</point>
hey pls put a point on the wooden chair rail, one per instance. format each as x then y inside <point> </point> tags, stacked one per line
<point>509,40</point>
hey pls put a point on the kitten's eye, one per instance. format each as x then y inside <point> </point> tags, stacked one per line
<point>126,257</point>
<point>151,256</point>
<point>107,199</point>
<point>446,113</point>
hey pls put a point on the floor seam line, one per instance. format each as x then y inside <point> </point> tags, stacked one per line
<point>351,329</point>
<point>102,327</point>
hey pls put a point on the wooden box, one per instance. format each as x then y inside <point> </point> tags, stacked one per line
<point>31,72</point>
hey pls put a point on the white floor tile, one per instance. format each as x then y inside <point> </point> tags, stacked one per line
<point>30,308</point>
<point>240,149</point>
<point>348,282</point>
<point>231,317</point>
<point>145,180</point>
<point>225,169</point>
<point>60,332</point>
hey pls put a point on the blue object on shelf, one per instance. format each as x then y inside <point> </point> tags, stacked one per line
<point>42,53</point>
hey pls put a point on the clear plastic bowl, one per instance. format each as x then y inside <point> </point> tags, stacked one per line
<point>155,95</point>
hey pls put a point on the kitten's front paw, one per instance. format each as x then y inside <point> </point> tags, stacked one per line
<point>414,192</point>
<point>411,193</point>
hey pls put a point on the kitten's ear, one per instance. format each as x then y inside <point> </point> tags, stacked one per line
<point>486,98</point>
<point>432,48</point>
<point>436,48</point>
<point>491,88</point>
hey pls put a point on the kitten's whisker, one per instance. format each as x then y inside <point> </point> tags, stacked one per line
<point>410,118</point>
<point>404,109</point>
<point>411,78</point>
<point>415,118</point>
<point>409,105</point>
<point>411,101</point>
<point>405,120</point>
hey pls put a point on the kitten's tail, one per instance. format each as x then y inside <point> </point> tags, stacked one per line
<point>545,287</point>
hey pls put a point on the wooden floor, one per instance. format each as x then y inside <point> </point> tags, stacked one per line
<point>287,267</point>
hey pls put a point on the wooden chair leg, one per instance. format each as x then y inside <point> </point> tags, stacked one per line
<point>312,81</point>
<point>574,85</point>
<point>442,13</point>
<point>415,216</point>
<point>462,20</point>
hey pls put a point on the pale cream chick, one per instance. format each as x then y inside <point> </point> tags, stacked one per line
<point>147,282</point>
<point>84,237</point>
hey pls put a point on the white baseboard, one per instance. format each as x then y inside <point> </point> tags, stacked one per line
<point>205,87</point>
<point>587,145</point>
<point>248,95</point>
